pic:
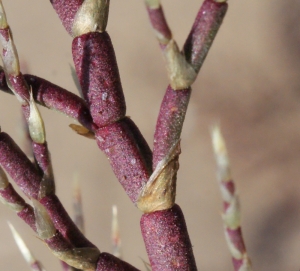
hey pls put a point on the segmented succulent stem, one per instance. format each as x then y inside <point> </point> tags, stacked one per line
<point>231,208</point>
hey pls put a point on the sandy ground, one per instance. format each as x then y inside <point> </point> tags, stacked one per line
<point>249,83</point>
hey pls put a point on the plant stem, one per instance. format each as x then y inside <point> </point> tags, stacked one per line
<point>203,32</point>
<point>55,98</point>
<point>231,210</point>
<point>167,241</point>
<point>98,74</point>
<point>22,171</point>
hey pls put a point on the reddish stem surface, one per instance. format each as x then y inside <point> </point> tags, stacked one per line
<point>203,32</point>
<point>58,243</point>
<point>236,238</point>
<point>167,241</point>
<point>66,11</point>
<point>22,171</point>
<point>159,23</point>
<point>59,99</point>
<point>42,156</point>
<point>20,86</point>
<point>98,74</point>
<point>63,223</point>
<point>11,196</point>
<point>17,165</point>
<point>170,121</point>
<point>27,215</point>
<point>128,153</point>
<point>118,137</point>
<point>108,262</point>
<point>56,98</point>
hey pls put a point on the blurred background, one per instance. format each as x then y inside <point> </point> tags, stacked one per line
<point>249,84</point>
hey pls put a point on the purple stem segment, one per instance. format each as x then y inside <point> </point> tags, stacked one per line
<point>203,32</point>
<point>175,102</point>
<point>170,121</point>
<point>167,241</point>
<point>118,136</point>
<point>11,196</point>
<point>125,147</point>
<point>59,99</point>
<point>22,171</point>
<point>17,165</point>
<point>63,223</point>
<point>42,156</point>
<point>19,85</point>
<point>58,243</point>
<point>56,98</point>
<point>159,24</point>
<point>236,238</point>
<point>66,11</point>
<point>27,215</point>
<point>98,74</point>
<point>108,262</point>
<point>235,235</point>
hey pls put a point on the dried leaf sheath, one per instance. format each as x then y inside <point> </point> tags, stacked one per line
<point>160,191</point>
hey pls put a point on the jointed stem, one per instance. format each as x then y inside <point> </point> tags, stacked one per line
<point>102,111</point>
<point>231,210</point>
<point>182,72</point>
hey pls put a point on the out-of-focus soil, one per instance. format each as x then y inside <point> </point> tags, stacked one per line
<point>249,84</point>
